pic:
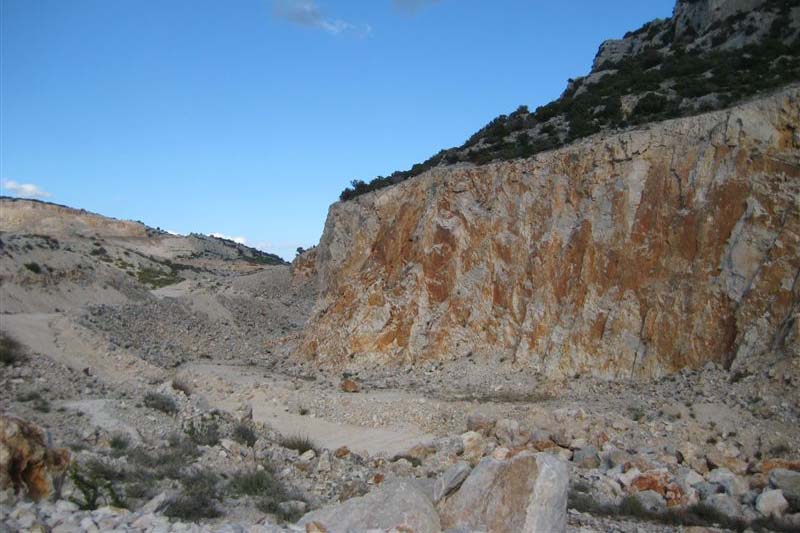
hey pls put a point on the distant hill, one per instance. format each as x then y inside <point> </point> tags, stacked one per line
<point>35,217</point>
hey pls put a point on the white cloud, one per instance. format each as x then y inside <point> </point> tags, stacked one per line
<point>307,13</point>
<point>26,190</point>
<point>240,240</point>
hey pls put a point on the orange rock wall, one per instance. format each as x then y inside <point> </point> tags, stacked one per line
<point>627,255</point>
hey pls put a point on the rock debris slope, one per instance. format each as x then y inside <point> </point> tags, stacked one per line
<point>630,254</point>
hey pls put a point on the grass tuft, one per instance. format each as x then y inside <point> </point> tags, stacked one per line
<point>300,443</point>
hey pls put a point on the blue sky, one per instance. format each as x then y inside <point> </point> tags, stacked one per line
<point>247,118</point>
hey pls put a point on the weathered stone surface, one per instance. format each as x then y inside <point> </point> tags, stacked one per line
<point>527,492</point>
<point>474,446</point>
<point>586,457</point>
<point>27,464</point>
<point>480,422</point>
<point>397,504</point>
<point>630,254</point>
<point>509,433</point>
<point>450,480</point>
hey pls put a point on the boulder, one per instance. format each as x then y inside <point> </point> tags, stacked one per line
<point>660,482</point>
<point>772,503</point>
<point>651,501</point>
<point>586,457</point>
<point>789,482</point>
<point>27,464</point>
<point>526,493</point>
<point>725,504</point>
<point>349,385</point>
<point>474,446</point>
<point>717,459</point>
<point>397,504</point>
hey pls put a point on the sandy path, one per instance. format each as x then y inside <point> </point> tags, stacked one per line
<point>326,433</point>
<point>55,336</point>
<point>332,435</point>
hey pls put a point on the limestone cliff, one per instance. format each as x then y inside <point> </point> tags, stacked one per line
<point>628,254</point>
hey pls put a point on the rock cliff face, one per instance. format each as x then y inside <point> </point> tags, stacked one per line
<point>633,254</point>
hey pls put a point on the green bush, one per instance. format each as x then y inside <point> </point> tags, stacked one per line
<point>255,483</point>
<point>205,433</point>
<point>197,499</point>
<point>119,442</point>
<point>160,402</point>
<point>650,104</point>
<point>95,481</point>
<point>244,435</point>
<point>10,350</point>
<point>269,492</point>
<point>158,278</point>
<point>167,462</point>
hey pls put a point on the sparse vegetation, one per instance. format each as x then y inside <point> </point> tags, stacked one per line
<point>95,481</point>
<point>198,497</point>
<point>10,351</point>
<point>33,267</point>
<point>203,432</point>
<point>270,492</point>
<point>244,435</point>
<point>158,278</point>
<point>167,462</point>
<point>636,413</point>
<point>255,483</point>
<point>299,443</point>
<point>182,385</point>
<point>119,442</point>
<point>160,402</point>
<point>699,514</point>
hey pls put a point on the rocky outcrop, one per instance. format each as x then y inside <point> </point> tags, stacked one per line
<point>633,254</point>
<point>28,465</point>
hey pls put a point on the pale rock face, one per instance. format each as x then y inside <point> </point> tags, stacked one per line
<point>694,16</point>
<point>527,492</point>
<point>625,255</point>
